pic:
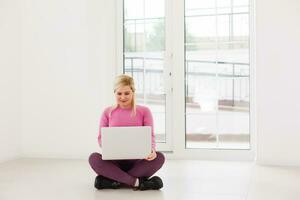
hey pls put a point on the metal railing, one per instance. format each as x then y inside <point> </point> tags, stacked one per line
<point>233,77</point>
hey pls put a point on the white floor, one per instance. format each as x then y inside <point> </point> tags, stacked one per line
<point>36,179</point>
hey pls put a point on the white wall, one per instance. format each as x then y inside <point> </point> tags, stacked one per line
<point>278,82</point>
<point>68,60</point>
<point>10,97</point>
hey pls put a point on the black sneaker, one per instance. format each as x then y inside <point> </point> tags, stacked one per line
<point>154,183</point>
<point>102,182</point>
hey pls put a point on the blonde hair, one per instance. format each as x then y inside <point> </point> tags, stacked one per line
<point>121,81</point>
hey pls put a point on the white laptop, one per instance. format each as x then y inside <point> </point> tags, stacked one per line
<point>130,142</point>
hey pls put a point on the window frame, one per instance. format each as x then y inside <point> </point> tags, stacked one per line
<point>175,62</point>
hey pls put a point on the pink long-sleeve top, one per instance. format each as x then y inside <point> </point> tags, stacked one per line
<point>123,117</point>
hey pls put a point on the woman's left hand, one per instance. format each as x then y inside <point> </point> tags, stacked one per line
<point>152,156</point>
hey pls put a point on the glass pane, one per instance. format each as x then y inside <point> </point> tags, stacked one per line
<point>224,6</point>
<point>241,26</point>
<point>241,3</point>
<point>217,74</point>
<point>133,9</point>
<point>154,9</point>
<point>199,7</point>
<point>134,32</point>
<point>209,22</point>
<point>201,129</point>
<point>240,6</point>
<point>200,44</point>
<point>144,45</point>
<point>155,35</point>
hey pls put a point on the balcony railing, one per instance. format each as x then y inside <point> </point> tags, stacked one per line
<point>232,79</point>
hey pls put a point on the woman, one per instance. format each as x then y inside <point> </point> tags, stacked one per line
<point>134,173</point>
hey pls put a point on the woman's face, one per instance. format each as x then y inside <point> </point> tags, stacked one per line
<point>124,96</point>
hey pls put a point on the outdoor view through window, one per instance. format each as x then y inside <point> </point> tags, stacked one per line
<point>217,68</point>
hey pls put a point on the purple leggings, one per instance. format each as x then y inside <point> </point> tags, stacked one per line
<point>125,171</point>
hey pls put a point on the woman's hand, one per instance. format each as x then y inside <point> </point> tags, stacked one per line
<point>152,156</point>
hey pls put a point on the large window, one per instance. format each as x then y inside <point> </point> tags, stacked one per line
<point>214,51</point>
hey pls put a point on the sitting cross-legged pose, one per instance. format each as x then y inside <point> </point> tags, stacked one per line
<point>135,173</point>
